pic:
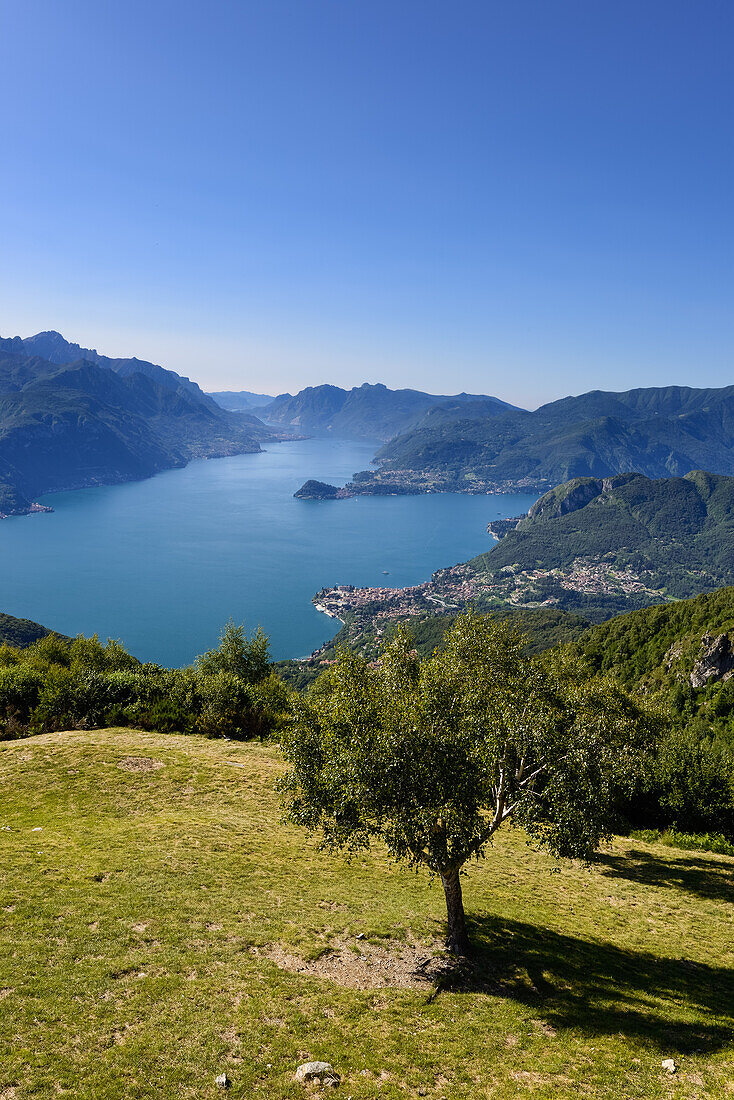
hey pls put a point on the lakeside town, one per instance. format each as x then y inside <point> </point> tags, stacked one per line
<point>415,483</point>
<point>452,589</point>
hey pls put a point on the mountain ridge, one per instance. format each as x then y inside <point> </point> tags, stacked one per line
<point>71,425</point>
<point>657,431</point>
<point>371,411</point>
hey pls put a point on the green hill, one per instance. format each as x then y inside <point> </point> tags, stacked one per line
<point>600,546</point>
<point>656,431</point>
<point>680,656</point>
<point>161,927</point>
<point>20,632</point>
<point>682,651</point>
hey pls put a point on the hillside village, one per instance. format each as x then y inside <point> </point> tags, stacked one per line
<point>459,586</point>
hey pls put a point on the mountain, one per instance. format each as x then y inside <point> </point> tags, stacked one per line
<point>20,632</point>
<point>84,423</point>
<point>367,411</point>
<point>598,546</point>
<point>658,432</point>
<point>52,347</point>
<point>241,400</point>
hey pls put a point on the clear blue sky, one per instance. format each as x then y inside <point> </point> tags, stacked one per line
<point>527,197</point>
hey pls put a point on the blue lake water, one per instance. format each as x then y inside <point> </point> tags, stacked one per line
<point>162,564</point>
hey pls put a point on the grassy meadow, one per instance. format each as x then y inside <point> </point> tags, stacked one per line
<point>139,908</point>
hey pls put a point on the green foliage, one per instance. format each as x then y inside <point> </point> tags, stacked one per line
<point>434,757</point>
<point>19,632</point>
<point>693,782</point>
<point>240,656</point>
<point>654,651</point>
<point>57,683</point>
<point>677,534</point>
<point>20,690</point>
<point>688,842</point>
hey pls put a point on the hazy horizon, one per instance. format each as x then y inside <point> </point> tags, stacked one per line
<point>528,406</point>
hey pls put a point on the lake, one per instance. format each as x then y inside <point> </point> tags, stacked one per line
<point>162,564</point>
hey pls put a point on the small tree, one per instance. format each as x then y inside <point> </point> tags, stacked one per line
<point>247,658</point>
<point>433,758</point>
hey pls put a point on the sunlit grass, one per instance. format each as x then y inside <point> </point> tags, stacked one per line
<point>128,922</point>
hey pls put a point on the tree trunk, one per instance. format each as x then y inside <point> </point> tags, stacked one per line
<point>457,940</point>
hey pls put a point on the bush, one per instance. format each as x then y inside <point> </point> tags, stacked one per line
<point>694,782</point>
<point>72,700</point>
<point>690,842</point>
<point>20,689</point>
<point>60,684</point>
<point>238,655</point>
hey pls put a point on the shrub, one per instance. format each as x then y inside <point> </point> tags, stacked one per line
<point>690,842</point>
<point>20,689</point>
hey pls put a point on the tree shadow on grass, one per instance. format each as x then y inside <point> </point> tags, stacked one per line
<point>693,874</point>
<point>598,989</point>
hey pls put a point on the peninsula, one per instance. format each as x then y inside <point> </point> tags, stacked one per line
<point>593,547</point>
<point>320,490</point>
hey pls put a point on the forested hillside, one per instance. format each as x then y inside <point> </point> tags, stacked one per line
<point>680,657</point>
<point>590,541</point>
<point>658,432</point>
<point>20,632</point>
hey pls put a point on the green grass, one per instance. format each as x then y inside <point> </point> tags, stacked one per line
<point>127,925</point>
<point>688,842</point>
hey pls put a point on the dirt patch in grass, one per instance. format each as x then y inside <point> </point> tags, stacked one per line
<point>139,764</point>
<point>365,965</point>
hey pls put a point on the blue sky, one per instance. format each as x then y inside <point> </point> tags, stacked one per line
<point>527,198</point>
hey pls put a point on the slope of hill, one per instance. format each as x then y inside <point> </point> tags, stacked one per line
<point>594,547</point>
<point>603,546</point>
<point>79,424</point>
<point>20,632</point>
<point>365,412</point>
<point>660,647</point>
<point>681,656</point>
<point>165,927</point>
<point>681,529</point>
<point>52,347</point>
<point>657,432</point>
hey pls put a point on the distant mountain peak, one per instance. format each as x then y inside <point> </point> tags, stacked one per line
<point>71,417</point>
<point>371,411</point>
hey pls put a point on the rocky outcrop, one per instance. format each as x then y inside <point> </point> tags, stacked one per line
<point>501,527</point>
<point>715,660</point>
<point>575,494</point>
